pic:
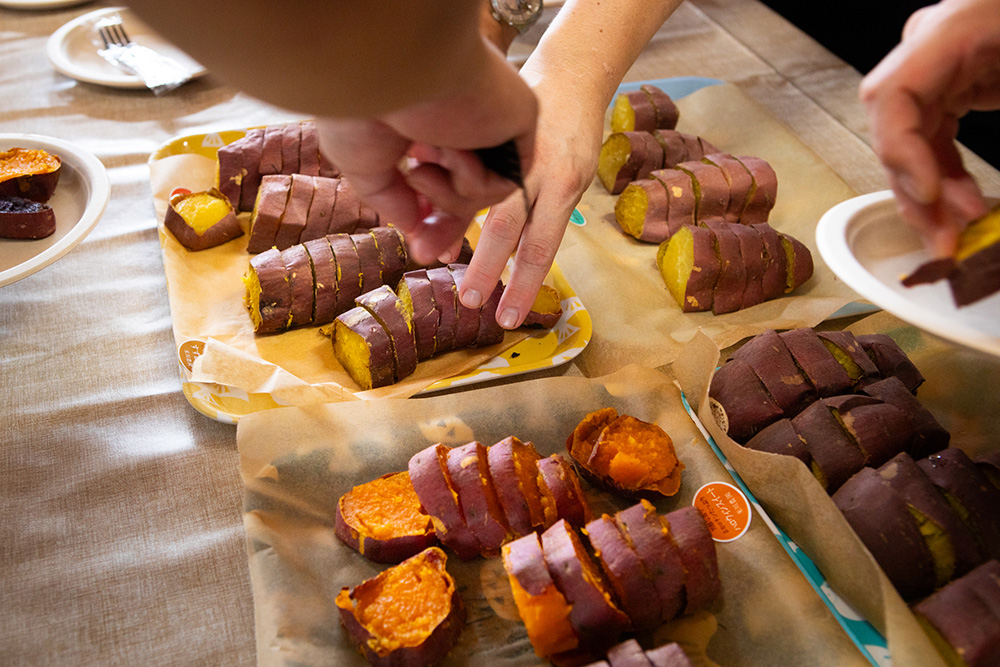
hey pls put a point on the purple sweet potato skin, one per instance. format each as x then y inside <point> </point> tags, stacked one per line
<point>702,584</point>
<point>816,362</point>
<point>275,293</point>
<point>300,279</point>
<point>381,366</point>
<point>464,465</point>
<point>928,436</point>
<point>430,482</point>
<point>747,405</point>
<point>752,252</point>
<point>425,315</point>
<point>269,207</point>
<point>349,275</point>
<point>780,438</point>
<point>446,301</point>
<point>776,266</point>
<point>560,478</point>
<point>658,554</point>
<point>890,359</point>
<point>500,457</point>
<point>833,452</point>
<point>728,295</point>
<point>383,303</point>
<point>952,471</point>
<point>625,572</point>
<point>768,356</point>
<point>325,271</point>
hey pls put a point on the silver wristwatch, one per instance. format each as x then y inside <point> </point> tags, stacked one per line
<point>519,14</point>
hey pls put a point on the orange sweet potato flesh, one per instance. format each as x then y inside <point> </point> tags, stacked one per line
<point>583,438</point>
<point>29,173</point>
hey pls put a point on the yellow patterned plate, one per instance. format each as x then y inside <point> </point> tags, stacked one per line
<point>542,349</point>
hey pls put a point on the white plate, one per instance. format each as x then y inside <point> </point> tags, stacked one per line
<point>41,4</point>
<point>72,51</point>
<point>869,246</point>
<point>78,203</point>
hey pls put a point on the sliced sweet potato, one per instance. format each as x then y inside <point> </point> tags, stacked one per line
<point>816,362</point>
<point>835,456</point>
<point>625,572</point>
<point>409,614</point>
<point>969,492</point>
<point>626,155</point>
<point>880,430</point>
<point>711,190</point>
<point>272,197</point>
<point>298,268</point>
<point>633,458</point>
<point>251,150</point>
<point>291,139</point>
<point>362,347</point>
<point>392,255</point>
<point>25,219</point>
<point>230,172</point>
<point>446,302</point>
<point>467,319</point>
<point>368,260</point>
<point>309,149</point>
<point>348,270</point>
<point>675,147</point>
<point>729,288</point>
<point>490,331</point>
<point>953,547</point>
<point>848,352</point>
<point>270,156</point>
<point>392,314</point>
<point>891,360</point>
<point>580,443</point>
<point>468,469</point>
<point>633,111</point>
<point>702,584</point>
<point>29,173</point>
<point>562,496</point>
<point>928,436</point>
<point>595,617</point>
<point>293,219</point>
<point>753,255</point>
<point>690,267</point>
<point>268,294</point>
<point>799,262</point>
<point>513,467</point>
<point>739,181</point>
<point>642,528</point>
<point>642,211</point>
<point>628,653</point>
<point>764,190</point>
<point>383,521</point>
<point>768,356</point>
<point>546,310</point>
<point>890,532</point>
<point>775,278</point>
<point>325,280</point>
<point>540,604</point>
<point>680,193</point>
<point>414,289</point>
<point>428,470</point>
<point>346,209</point>
<point>201,220</point>
<point>320,208</point>
<point>781,438</point>
<point>740,402</point>
<point>962,619</point>
<point>667,113</point>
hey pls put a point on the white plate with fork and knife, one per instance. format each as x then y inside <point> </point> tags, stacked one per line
<point>73,50</point>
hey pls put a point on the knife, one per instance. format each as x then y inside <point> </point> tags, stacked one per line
<point>505,161</point>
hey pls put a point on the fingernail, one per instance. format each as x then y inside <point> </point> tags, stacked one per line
<point>508,318</point>
<point>472,298</point>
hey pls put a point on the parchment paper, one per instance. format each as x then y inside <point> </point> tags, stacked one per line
<point>960,389</point>
<point>617,277</point>
<point>296,367</point>
<point>296,462</point>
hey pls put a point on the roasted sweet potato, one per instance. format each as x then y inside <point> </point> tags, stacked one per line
<point>656,549</point>
<point>633,111</point>
<point>345,252</point>
<point>928,436</point>
<point>268,295</point>
<point>739,180</point>
<point>764,190</point>
<point>490,331</point>
<point>540,604</point>
<point>298,270</point>
<point>626,157</point>
<point>392,253</point>
<point>383,521</point>
<point>324,279</point>
<point>769,358</point>
<point>320,209</point>
<point>711,189</point>
<point>880,430</point>
<point>29,173</point>
<point>468,469</point>
<point>890,359</point>
<point>513,467</point>
<point>562,496</point>
<point>431,482</point>
<point>727,296</point>
<point>848,352</point>
<point>414,289</point>
<point>754,262</point>
<point>251,150</point>
<point>835,456</point>
<point>410,614</point>
<point>702,585</point>
<point>546,310</point>
<point>680,193</point>
<point>962,618</point>
<point>467,319</point>
<point>230,173</point>
<point>690,267</point>
<point>446,302</point>
<point>667,113</point>
<point>201,220</point>
<point>272,196</point>
<point>966,487</point>
<point>642,211</point>
<point>799,262</point>
<point>595,617</point>
<point>882,520</point>
<point>362,347</point>
<point>296,212</point>
<point>392,314</point>
<point>740,403</point>
<point>775,278</point>
<point>368,260</point>
<point>628,456</point>
<point>25,219</point>
<point>816,362</point>
<point>780,438</point>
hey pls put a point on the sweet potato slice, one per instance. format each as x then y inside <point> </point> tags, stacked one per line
<point>383,521</point>
<point>540,604</point>
<point>293,219</point>
<point>320,208</point>
<point>702,584</point>
<point>928,436</point>
<point>627,653</point>
<point>362,347</point>
<point>546,310</point>
<point>754,262</point>
<point>268,294</point>
<point>881,519</point>
<point>513,469</point>
<point>680,193</point>
<point>969,492</point>
<point>490,331</point>
<point>739,181</point>
<point>392,255</point>
<point>392,314</point>
<point>848,352</point>
<point>633,111</point>
<point>764,190</point>
<point>201,220</point>
<point>25,219</point>
<point>634,458</point>
<point>799,262</point>
<point>251,150</point>
<point>879,429</point>
<point>467,319</point>
<point>740,403</point>
<point>780,438</point>
<point>272,197</point>
<point>428,470</point>
<point>348,270</point>
<point>29,173</point>
<point>728,294</point>
<point>816,362</point>
<point>625,572</point>
<point>623,156</point>
<point>346,209</point>
<point>414,289</point>
<point>562,496</point>
<point>675,147</point>
<point>690,267</point>
<point>298,268</point>
<point>890,359</point>
<point>642,211</point>
<point>368,260</point>
<point>409,614</point>
<point>953,547</point>
<point>270,155</point>
<point>775,278</point>
<point>291,139</point>
<point>768,356</point>
<point>835,456</point>
<point>446,302</point>
<point>468,469</point>
<point>325,279</point>
<point>667,113</point>
<point>593,613</point>
<point>711,190</point>
<point>658,553</point>
<point>309,149</point>
<point>580,443</point>
<point>230,172</point>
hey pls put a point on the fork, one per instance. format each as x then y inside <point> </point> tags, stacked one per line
<point>160,73</point>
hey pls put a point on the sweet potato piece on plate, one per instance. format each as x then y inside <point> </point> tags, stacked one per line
<point>230,172</point>
<point>25,219</point>
<point>764,190</point>
<point>201,220</point>
<point>690,267</point>
<point>581,441</point>
<point>739,181</point>
<point>646,534</point>
<point>251,150</point>
<point>513,468</point>
<point>268,208</point>
<point>740,402</point>
<point>29,173</point>
<point>268,294</point>
<point>291,140</point>
<point>540,604</point>
<point>468,468</point>
<point>293,219</point>
<point>879,429</point>
<point>368,260</point>
<point>362,347</point>
<point>467,319</point>
<point>546,310</point>
<point>409,614</point>
<point>848,352</point>
<point>348,270</point>
<point>675,148</point>
<point>392,314</point>
<point>799,264</point>
<point>383,521</point>
<point>270,156</point>
<point>414,289</point>
<point>428,470</point>
<point>753,255</point>
<point>711,189</point>
<point>320,208</point>
<point>642,211</point>
<point>309,149</point>
<point>969,491</point>
<point>446,302</point>
<point>392,255</point>
<point>593,613</point>
<point>490,331</point>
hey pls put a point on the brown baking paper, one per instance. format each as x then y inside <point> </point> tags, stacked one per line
<point>960,389</point>
<point>617,276</point>
<point>296,462</point>
<point>295,367</point>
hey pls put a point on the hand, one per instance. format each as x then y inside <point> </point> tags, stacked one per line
<point>415,165</point>
<point>567,145</point>
<point>947,64</point>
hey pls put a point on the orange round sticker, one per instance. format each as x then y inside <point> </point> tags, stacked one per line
<point>188,351</point>
<point>725,509</point>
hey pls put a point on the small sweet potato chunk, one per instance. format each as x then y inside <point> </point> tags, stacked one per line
<point>25,219</point>
<point>627,156</point>
<point>201,220</point>
<point>690,267</point>
<point>546,310</point>
<point>29,173</point>
<point>362,347</point>
<point>641,211</point>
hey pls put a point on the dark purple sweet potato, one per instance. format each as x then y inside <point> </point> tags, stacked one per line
<point>739,180</point>
<point>741,404</point>
<point>680,193</point>
<point>835,456</point>
<point>428,470</point>
<point>891,360</point>
<point>321,208</point>
<point>392,255</point>
<point>752,252</point>
<point>768,356</point>
<point>879,429</point>
<point>970,492</point>
<point>468,469</point>
<point>702,584</point>
<point>251,149</point>
<point>560,486</point>
<point>368,261</point>
<point>883,522</point>
<point>848,352</point>
<point>267,210</point>
<point>29,173</point>
<point>764,190</point>
<point>293,219</point>
<point>268,295</point>
<point>667,113</point>
<point>643,530</point>
<point>689,267</point>
<point>775,278</point>
<point>928,436</point>
<point>346,209</point>
<point>309,149</point>
<point>467,322</point>
<point>816,362</point>
<point>25,219</point>
<point>414,289</point>
<point>270,156</point>
<point>490,331</point>
<point>781,438</point>
<point>325,278</point>
<point>230,172</point>
<point>799,266</point>
<point>291,140</point>
<point>711,189</point>
<point>675,148</point>
<point>446,302</point>
<point>298,268</point>
<point>728,294</point>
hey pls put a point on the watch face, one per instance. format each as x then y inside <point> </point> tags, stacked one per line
<point>518,13</point>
